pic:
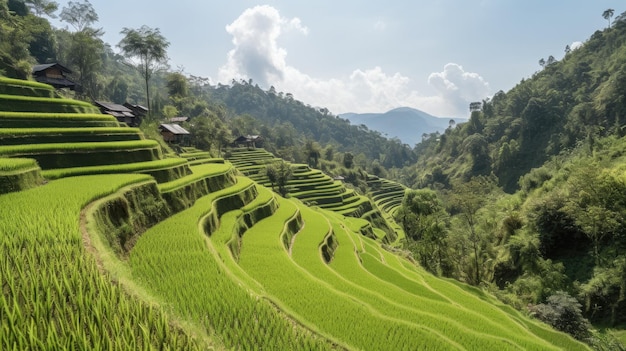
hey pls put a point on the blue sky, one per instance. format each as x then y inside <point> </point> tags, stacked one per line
<point>364,56</point>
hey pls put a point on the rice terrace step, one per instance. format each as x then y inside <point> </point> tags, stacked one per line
<point>108,244</point>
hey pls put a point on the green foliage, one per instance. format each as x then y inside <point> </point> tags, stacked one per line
<point>424,221</point>
<point>572,101</point>
<point>279,173</point>
<point>563,312</point>
<point>286,123</point>
<point>149,48</point>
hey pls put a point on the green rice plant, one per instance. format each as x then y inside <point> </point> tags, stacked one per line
<point>55,120</point>
<point>16,136</point>
<point>378,295</point>
<point>182,192</point>
<point>162,171</point>
<point>475,310</point>
<point>180,265</point>
<point>316,303</point>
<point>20,103</point>
<point>64,155</point>
<point>54,297</point>
<point>16,164</point>
<point>11,150</point>
<point>10,86</point>
<point>27,83</point>
<point>19,174</point>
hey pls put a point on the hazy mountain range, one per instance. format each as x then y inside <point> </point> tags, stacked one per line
<point>405,123</point>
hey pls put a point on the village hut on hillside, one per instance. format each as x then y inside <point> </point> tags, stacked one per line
<point>174,134</point>
<point>53,74</point>
<point>179,120</point>
<point>122,113</point>
<point>250,141</point>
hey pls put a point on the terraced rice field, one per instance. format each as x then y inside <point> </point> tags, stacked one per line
<point>194,256</point>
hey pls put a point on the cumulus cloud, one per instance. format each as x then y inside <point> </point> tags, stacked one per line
<point>457,87</point>
<point>575,45</point>
<point>257,55</point>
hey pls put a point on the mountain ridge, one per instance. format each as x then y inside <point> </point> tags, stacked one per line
<point>408,124</point>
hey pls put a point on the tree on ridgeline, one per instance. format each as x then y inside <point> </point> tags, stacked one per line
<point>42,7</point>
<point>608,14</point>
<point>149,48</point>
<point>79,15</point>
<point>86,48</point>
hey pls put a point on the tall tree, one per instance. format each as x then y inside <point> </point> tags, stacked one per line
<point>608,14</point>
<point>42,7</point>
<point>149,47</point>
<point>468,198</point>
<point>279,173</point>
<point>86,47</point>
<point>79,15</point>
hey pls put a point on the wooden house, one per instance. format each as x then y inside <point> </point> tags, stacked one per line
<point>173,133</point>
<point>121,113</point>
<point>53,74</point>
<point>179,120</point>
<point>250,141</point>
<point>138,110</point>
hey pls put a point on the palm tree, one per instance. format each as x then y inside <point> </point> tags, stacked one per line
<point>149,47</point>
<point>608,14</point>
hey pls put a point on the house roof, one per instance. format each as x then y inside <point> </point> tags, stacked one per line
<point>45,66</point>
<point>56,82</point>
<point>179,119</point>
<point>109,106</point>
<point>174,129</point>
<point>248,138</point>
<point>119,114</point>
<point>136,107</point>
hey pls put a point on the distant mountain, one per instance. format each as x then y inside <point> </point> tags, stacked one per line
<point>405,123</point>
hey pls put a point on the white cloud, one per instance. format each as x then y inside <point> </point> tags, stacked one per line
<point>575,45</point>
<point>458,88</point>
<point>257,55</point>
<point>380,25</point>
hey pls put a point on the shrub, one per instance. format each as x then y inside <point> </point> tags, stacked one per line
<point>563,312</point>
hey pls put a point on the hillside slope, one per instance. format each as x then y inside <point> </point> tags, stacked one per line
<point>576,100</point>
<point>193,256</point>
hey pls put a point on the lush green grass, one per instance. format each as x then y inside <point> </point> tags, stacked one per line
<point>55,120</point>
<point>16,136</point>
<point>182,270</point>
<point>53,296</point>
<point>334,312</point>
<point>16,164</point>
<point>198,173</point>
<point>20,103</point>
<point>164,170</point>
<point>66,155</point>
<point>19,174</point>
<point>9,86</point>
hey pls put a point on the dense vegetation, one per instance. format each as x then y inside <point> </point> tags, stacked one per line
<point>525,200</point>
<point>191,255</point>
